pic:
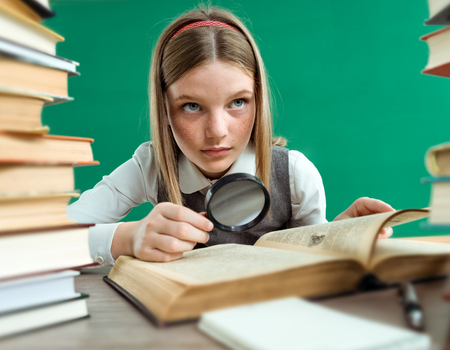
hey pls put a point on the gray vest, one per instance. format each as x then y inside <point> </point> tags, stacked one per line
<point>280,205</point>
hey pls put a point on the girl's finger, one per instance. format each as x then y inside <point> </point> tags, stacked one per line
<point>182,214</point>
<point>156,255</point>
<point>171,244</point>
<point>385,233</point>
<point>367,206</point>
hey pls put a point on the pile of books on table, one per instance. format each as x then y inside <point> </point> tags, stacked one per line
<point>437,161</point>
<point>439,40</point>
<point>38,243</point>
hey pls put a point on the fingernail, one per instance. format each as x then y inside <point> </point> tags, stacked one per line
<point>209,226</point>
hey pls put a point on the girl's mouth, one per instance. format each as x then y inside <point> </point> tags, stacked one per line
<point>216,151</point>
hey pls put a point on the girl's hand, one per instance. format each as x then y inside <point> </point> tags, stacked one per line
<point>163,235</point>
<point>367,206</point>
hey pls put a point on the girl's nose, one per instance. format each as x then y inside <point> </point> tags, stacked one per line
<point>217,125</point>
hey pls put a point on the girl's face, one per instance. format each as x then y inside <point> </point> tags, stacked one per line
<point>211,111</point>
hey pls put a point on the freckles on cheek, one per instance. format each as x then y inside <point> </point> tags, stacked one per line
<point>245,126</point>
<point>185,131</point>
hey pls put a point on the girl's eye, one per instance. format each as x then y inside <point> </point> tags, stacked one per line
<point>238,103</point>
<point>191,107</point>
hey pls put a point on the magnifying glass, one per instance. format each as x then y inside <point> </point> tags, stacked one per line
<point>237,202</point>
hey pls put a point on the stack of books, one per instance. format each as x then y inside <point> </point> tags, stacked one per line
<point>437,158</point>
<point>38,243</point>
<point>438,41</point>
<point>437,161</point>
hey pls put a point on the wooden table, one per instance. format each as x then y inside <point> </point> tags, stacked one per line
<point>116,324</point>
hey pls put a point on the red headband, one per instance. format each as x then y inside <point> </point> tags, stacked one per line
<point>203,24</point>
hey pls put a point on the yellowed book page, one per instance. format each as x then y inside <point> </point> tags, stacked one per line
<point>388,248</point>
<point>228,262</point>
<point>407,215</point>
<point>351,238</point>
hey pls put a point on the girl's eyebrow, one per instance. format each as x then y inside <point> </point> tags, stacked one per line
<point>184,97</point>
<point>242,92</point>
<point>235,94</point>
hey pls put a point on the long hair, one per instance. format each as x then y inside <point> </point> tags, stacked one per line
<point>189,49</point>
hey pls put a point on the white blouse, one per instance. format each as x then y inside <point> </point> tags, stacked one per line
<point>135,182</point>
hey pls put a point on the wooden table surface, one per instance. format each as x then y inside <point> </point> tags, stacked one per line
<point>116,324</point>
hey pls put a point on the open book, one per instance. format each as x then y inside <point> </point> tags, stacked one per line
<point>308,261</point>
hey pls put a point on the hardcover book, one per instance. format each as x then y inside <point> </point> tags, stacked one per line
<point>439,53</point>
<point>43,250</point>
<point>21,111</point>
<point>37,290</point>
<point>25,179</point>
<point>43,316</point>
<point>21,147</point>
<point>32,77</point>
<point>20,29</point>
<point>307,261</point>
<point>34,210</point>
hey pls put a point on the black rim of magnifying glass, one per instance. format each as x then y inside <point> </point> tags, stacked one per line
<point>230,178</point>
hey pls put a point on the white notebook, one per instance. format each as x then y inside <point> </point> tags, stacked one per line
<point>294,323</point>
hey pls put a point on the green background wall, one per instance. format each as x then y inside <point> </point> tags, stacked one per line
<point>345,77</point>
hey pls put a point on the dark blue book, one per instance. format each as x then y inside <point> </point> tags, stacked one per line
<point>428,226</point>
<point>432,180</point>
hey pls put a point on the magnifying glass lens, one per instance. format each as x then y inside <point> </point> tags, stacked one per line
<point>238,203</point>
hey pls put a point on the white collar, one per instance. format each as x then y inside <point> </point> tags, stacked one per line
<point>192,180</point>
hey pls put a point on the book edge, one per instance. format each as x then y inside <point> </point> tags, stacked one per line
<point>44,272</point>
<point>40,162</point>
<point>69,226</point>
<point>429,35</point>
<point>33,56</point>
<point>51,137</point>
<point>39,306</point>
<point>138,305</point>
<point>40,328</point>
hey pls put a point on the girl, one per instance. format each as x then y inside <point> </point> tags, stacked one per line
<point>210,116</point>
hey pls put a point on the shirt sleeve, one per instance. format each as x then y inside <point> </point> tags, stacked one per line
<point>130,185</point>
<point>307,192</point>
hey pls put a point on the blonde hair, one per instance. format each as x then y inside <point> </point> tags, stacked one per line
<point>189,49</point>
